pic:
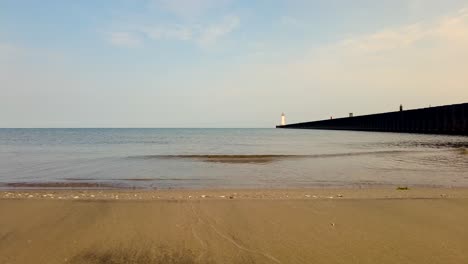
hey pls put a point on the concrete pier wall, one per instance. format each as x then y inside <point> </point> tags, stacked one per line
<point>448,119</point>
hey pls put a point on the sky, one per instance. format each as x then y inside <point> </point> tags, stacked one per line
<point>226,63</point>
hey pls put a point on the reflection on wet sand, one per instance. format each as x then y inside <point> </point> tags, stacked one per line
<point>129,253</point>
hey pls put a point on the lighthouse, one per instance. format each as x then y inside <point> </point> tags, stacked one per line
<point>283,119</point>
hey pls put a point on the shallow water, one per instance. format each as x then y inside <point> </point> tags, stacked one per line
<point>228,158</point>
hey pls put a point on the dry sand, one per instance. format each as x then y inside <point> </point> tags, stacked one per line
<point>235,226</point>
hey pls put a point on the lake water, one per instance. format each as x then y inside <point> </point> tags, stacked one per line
<point>228,158</point>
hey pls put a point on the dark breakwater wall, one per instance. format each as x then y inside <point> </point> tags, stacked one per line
<point>448,119</point>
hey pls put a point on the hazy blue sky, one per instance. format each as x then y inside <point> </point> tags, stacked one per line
<point>225,63</point>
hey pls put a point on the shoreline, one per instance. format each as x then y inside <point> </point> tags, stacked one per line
<point>306,193</point>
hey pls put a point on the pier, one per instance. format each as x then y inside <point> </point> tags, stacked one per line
<point>447,119</point>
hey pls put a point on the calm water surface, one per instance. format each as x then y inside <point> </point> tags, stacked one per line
<point>180,158</point>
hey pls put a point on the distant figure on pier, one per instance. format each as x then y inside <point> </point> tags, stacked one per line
<point>283,119</point>
<point>401,107</point>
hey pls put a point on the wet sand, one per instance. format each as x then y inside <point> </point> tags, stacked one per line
<point>375,225</point>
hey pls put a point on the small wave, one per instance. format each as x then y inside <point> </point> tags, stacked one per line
<point>264,158</point>
<point>425,144</point>
<point>59,185</point>
<point>132,179</point>
<point>160,179</point>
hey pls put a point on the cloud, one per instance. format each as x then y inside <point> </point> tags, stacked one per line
<point>446,29</point>
<point>385,40</point>
<point>202,35</point>
<point>177,32</point>
<point>189,8</point>
<point>209,35</point>
<point>422,63</point>
<point>444,39</point>
<point>124,39</point>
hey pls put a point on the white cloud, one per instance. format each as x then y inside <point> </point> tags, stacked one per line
<point>446,29</point>
<point>124,39</point>
<point>393,49</point>
<point>177,32</point>
<point>385,40</point>
<point>212,33</point>
<point>202,35</point>
<point>422,63</point>
<point>189,8</point>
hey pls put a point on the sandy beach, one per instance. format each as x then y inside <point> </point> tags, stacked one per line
<point>374,225</point>
<point>233,132</point>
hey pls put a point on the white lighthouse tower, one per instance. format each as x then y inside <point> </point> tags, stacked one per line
<point>283,119</point>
